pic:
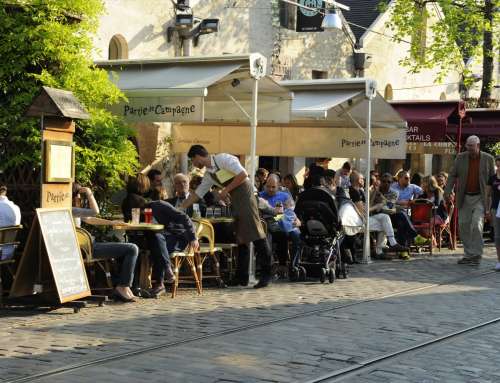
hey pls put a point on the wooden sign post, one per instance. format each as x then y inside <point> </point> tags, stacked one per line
<point>51,247</point>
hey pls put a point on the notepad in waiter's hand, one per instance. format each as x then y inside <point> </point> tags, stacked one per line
<point>498,210</point>
<point>224,176</point>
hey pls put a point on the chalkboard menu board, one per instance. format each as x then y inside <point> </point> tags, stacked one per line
<point>63,252</point>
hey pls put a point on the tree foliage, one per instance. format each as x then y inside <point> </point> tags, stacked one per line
<point>49,43</point>
<point>462,29</point>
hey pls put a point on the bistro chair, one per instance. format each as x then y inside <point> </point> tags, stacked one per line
<point>87,248</point>
<point>422,217</point>
<point>205,231</point>
<point>8,236</point>
<point>178,258</point>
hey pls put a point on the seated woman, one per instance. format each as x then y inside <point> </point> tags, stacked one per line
<point>434,193</point>
<point>379,221</point>
<point>128,252</point>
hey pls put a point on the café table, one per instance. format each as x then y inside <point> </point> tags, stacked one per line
<point>144,280</point>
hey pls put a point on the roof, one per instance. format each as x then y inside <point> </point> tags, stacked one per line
<point>363,13</point>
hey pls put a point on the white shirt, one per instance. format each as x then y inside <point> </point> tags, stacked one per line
<point>10,215</point>
<point>218,161</point>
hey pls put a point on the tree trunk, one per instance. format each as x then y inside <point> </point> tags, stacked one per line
<point>485,97</point>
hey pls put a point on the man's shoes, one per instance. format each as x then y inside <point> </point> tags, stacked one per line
<point>397,248</point>
<point>404,256</point>
<point>263,282</point>
<point>420,241</point>
<point>472,261</point>
<point>156,292</point>
<point>497,266</point>
<point>169,275</point>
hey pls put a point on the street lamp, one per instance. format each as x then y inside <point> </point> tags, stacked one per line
<point>332,20</point>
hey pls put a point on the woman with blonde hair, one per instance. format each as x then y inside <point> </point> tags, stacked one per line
<point>434,193</point>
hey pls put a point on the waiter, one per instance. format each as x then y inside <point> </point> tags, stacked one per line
<point>225,171</point>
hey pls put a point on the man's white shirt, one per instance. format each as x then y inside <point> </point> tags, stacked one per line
<point>223,161</point>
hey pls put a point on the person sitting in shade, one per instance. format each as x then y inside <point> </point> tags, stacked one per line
<point>182,192</point>
<point>407,191</point>
<point>10,215</point>
<point>280,202</point>
<point>226,171</point>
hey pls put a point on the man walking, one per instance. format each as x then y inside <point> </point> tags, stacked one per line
<point>226,171</point>
<point>470,174</point>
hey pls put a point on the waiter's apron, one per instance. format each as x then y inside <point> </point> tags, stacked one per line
<point>247,223</point>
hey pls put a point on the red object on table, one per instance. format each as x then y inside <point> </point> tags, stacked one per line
<point>148,215</point>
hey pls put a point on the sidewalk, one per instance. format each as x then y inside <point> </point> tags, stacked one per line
<point>38,342</point>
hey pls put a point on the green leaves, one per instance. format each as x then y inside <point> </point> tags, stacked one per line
<point>49,43</point>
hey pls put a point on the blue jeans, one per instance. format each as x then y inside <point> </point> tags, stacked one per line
<point>405,231</point>
<point>161,245</point>
<point>127,251</point>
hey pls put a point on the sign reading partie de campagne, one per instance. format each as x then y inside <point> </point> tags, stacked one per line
<point>161,109</point>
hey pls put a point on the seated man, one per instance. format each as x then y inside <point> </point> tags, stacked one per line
<point>10,215</point>
<point>379,221</point>
<point>405,231</point>
<point>407,191</point>
<point>279,202</point>
<point>182,192</point>
<point>177,234</point>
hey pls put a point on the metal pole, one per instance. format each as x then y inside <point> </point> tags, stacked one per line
<point>366,248</point>
<point>186,52</point>
<point>253,145</point>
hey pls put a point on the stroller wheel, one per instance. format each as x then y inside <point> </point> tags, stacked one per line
<point>302,273</point>
<point>294,274</point>
<point>331,275</point>
<point>322,276</point>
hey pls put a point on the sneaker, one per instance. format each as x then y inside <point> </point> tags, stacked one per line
<point>420,241</point>
<point>404,256</point>
<point>397,248</point>
<point>263,282</point>
<point>156,292</point>
<point>474,261</point>
<point>497,266</point>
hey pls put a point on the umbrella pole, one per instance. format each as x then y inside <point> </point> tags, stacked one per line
<point>253,144</point>
<point>366,248</point>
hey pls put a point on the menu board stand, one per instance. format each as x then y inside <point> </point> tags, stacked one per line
<point>51,271</point>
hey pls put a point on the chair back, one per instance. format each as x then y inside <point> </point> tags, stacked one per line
<point>421,211</point>
<point>85,241</point>
<point>9,234</point>
<point>205,230</point>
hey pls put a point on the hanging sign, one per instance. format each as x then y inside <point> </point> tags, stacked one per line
<point>309,20</point>
<point>160,109</point>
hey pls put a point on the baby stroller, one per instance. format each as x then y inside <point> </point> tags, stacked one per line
<point>322,236</point>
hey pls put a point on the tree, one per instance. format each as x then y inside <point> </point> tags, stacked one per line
<point>463,30</point>
<point>49,43</point>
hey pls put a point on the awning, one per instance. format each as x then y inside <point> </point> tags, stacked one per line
<point>429,121</point>
<point>328,120</point>
<point>195,89</point>
<point>484,123</point>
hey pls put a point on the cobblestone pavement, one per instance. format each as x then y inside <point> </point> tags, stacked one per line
<point>296,349</point>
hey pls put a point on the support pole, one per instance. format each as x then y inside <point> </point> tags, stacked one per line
<point>366,248</point>
<point>253,145</point>
<point>186,52</point>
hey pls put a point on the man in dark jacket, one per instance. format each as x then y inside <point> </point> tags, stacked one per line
<point>178,234</point>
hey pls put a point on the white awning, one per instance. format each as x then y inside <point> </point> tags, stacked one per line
<point>196,89</point>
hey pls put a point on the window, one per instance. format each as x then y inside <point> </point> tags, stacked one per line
<point>388,95</point>
<point>118,48</point>
<point>319,74</point>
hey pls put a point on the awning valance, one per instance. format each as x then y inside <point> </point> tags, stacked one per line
<point>484,123</point>
<point>195,89</point>
<point>328,119</point>
<point>428,121</point>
